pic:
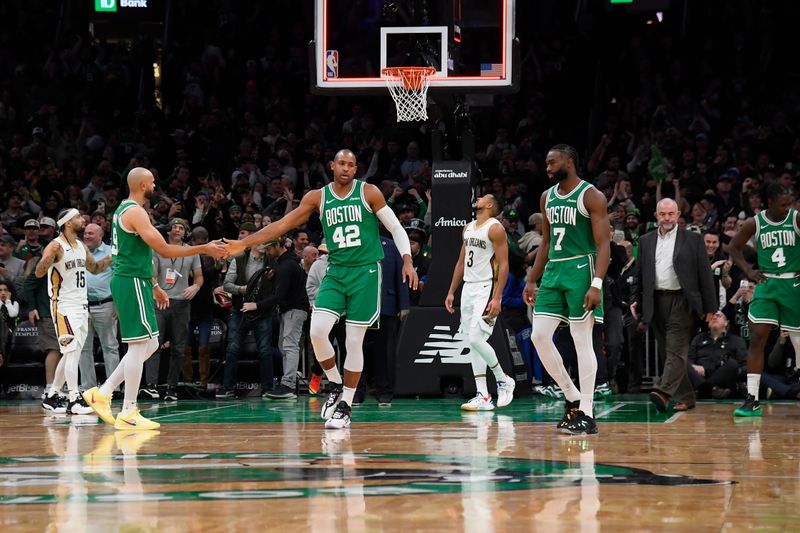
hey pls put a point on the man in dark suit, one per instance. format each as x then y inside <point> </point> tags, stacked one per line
<point>676,287</point>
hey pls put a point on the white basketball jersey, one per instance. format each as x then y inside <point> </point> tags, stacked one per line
<point>66,278</point>
<point>479,252</point>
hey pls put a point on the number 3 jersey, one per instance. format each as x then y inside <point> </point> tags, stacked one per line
<point>776,243</point>
<point>66,278</point>
<point>350,227</point>
<point>570,224</point>
<point>479,263</point>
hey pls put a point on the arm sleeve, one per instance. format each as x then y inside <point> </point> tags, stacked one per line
<point>389,220</point>
<point>230,278</point>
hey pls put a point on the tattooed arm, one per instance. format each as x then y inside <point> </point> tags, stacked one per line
<point>52,253</point>
<point>95,267</point>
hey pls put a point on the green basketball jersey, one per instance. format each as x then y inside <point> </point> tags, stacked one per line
<point>570,226</point>
<point>350,227</point>
<point>776,243</point>
<point>131,256</point>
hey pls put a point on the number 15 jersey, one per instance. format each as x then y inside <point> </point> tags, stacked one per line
<point>350,227</point>
<point>66,278</point>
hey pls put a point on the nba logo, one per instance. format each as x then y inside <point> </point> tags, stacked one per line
<point>331,63</point>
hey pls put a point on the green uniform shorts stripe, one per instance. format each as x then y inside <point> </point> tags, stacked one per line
<point>133,298</point>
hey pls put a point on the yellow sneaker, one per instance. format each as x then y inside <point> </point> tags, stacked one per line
<point>129,442</point>
<point>134,421</point>
<point>101,404</point>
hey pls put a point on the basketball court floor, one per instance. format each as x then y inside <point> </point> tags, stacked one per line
<point>418,465</point>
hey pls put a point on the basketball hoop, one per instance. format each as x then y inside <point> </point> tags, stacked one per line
<point>409,89</point>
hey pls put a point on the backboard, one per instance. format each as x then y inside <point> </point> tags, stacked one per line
<point>470,43</point>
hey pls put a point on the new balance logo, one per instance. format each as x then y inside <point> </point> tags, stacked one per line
<point>450,348</point>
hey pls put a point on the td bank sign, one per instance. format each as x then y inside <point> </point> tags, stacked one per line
<point>112,5</point>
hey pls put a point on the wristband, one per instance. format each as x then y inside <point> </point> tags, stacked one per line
<point>155,285</point>
<point>597,283</point>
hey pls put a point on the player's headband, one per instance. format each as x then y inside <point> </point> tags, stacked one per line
<point>69,215</point>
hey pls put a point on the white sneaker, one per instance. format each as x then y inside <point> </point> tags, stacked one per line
<point>505,391</point>
<point>479,403</point>
<point>340,418</point>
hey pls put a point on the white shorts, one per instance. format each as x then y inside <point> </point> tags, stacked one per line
<point>72,326</point>
<point>475,297</point>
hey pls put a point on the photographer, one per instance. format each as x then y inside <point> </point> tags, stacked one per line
<point>716,360</point>
<point>250,281</point>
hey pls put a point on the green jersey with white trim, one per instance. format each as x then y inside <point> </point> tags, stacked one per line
<point>350,227</point>
<point>570,223</point>
<point>131,256</point>
<point>776,244</point>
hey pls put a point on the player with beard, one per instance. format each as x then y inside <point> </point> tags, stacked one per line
<point>483,266</point>
<point>576,239</point>
<point>133,239</point>
<point>350,210</point>
<point>65,262</point>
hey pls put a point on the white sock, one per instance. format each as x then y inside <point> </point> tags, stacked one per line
<point>127,407</point>
<point>333,374</point>
<point>753,383</point>
<point>795,338</point>
<point>542,337</point>
<point>71,372</point>
<point>587,361</point>
<point>348,394</point>
<point>58,378</point>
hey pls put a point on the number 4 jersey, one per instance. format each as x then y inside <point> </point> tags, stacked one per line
<point>350,227</point>
<point>66,278</point>
<point>776,242</point>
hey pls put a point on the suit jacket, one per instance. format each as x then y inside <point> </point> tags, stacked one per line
<point>691,266</point>
<point>394,293</point>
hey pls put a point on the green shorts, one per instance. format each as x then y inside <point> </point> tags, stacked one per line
<point>777,302</point>
<point>351,291</point>
<point>563,288</point>
<point>136,310</point>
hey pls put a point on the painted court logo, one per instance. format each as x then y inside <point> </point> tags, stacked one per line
<point>286,476</point>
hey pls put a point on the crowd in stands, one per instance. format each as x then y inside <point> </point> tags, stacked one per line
<point>707,116</point>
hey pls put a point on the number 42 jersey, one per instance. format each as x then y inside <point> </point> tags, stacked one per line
<point>350,227</point>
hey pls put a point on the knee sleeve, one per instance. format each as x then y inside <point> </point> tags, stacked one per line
<point>354,343</point>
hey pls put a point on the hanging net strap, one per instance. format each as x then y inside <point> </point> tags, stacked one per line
<point>409,89</point>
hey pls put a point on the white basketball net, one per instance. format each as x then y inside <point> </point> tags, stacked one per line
<point>409,89</point>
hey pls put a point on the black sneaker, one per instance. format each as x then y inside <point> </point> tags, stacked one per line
<point>280,392</point>
<point>54,404</point>
<point>751,407</point>
<point>150,392</point>
<point>79,407</point>
<point>332,401</point>
<point>581,424</point>
<point>359,397</point>
<point>340,418</point>
<point>570,410</point>
<point>171,395</point>
<point>384,400</point>
<point>225,394</point>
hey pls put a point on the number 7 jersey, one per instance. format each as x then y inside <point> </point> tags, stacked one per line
<point>350,227</point>
<point>66,278</point>
<point>776,243</point>
<point>570,223</point>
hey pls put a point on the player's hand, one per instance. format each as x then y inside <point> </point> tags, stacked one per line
<point>162,300</point>
<point>249,306</point>
<point>33,316</point>
<point>493,309</point>
<point>756,276</point>
<point>448,303</point>
<point>409,274</point>
<point>234,247</point>
<point>218,249</point>
<point>191,291</point>
<point>529,293</point>
<point>592,299</point>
